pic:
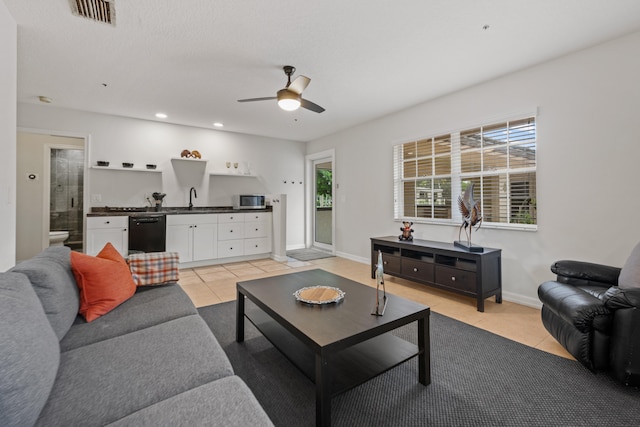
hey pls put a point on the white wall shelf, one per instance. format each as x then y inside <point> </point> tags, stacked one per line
<point>184,159</point>
<point>234,175</point>
<point>118,168</point>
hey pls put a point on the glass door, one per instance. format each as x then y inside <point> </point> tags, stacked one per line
<point>323,205</point>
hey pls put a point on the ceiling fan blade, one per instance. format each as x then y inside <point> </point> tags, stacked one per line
<point>311,106</point>
<point>299,84</point>
<point>267,98</point>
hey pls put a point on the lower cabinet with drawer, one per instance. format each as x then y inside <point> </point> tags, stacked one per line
<point>107,229</point>
<point>205,239</point>
<point>244,234</point>
<point>230,248</point>
<point>441,265</point>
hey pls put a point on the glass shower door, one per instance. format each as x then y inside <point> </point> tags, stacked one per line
<point>66,194</point>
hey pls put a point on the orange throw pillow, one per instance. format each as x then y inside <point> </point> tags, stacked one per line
<point>104,281</point>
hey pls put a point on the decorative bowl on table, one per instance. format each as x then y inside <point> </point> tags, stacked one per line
<point>319,295</point>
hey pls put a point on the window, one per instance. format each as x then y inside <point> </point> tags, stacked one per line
<point>499,159</point>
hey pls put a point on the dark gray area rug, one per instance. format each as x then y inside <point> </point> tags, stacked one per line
<point>477,379</point>
<point>308,254</point>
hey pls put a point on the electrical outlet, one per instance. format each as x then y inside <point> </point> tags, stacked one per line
<point>96,198</point>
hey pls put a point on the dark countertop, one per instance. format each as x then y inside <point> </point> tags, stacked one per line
<point>138,211</point>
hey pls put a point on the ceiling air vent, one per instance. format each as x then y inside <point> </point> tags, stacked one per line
<point>97,10</point>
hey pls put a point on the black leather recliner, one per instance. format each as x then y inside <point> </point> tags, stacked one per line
<point>595,320</point>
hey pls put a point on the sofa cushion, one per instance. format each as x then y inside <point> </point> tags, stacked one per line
<point>154,268</point>
<point>104,281</point>
<point>227,401</point>
<point>105,381</point>
<point>50,274</point>
<point>149,306</point>
<point>29,352</point>
<point>630,274</point>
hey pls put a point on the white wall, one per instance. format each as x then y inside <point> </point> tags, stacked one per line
<point>588,153</point>
<point>119,139</point>
<point>8,83</point>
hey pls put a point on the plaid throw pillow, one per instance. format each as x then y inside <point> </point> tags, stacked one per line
<point>154,268</point>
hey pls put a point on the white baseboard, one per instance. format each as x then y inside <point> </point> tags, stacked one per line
<point>521,299</point>
<point>353,257</point>
<point>217,261</point>
<point>294,247</point>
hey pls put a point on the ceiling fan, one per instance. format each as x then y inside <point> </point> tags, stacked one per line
<point>290,98</point>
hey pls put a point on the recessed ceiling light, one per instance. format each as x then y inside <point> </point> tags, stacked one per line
<point>218,124</point>
<point>161,115</point>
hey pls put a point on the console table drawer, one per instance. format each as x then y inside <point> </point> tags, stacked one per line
<point>417,269</point>
<point>457,279</point>
<point>390,263</point>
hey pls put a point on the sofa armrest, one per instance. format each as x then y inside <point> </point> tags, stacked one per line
<point>575,306</point>
<point>579,273</point>
<point>616,298</point>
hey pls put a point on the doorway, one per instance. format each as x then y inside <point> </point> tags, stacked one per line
<point>321,207</point>
<point>50,190</point>
<point>323,221</point>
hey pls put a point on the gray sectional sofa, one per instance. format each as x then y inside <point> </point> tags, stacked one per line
<point>151,361</point>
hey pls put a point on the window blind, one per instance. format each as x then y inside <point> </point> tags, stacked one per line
<point>499,159</point>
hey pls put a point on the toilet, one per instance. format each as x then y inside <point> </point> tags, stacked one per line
<point>57,238</point>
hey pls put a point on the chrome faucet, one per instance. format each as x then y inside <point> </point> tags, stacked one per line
<point>192,190</point>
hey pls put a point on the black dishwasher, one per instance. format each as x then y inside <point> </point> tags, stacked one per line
<point>147,233</point>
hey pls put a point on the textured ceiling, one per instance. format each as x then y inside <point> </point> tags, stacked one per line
<point>193,59</point>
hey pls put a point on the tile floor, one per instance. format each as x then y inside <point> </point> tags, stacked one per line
<point>216,284</point>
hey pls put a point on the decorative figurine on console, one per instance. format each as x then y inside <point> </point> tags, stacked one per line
<point>471,217</point>
<point>406,231</point>
<point>380,281</point>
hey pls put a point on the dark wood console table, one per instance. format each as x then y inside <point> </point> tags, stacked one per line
<point>442,265</point>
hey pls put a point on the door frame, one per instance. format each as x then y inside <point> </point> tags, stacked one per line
<point>46,179</point>
<point>310,191</point>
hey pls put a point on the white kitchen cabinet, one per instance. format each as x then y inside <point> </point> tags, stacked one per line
<point>230,248</point>
<point>244,234</point>
<point>230,235</point>
<point>257,233</point>
<point>205,243</point>
<point>202,237</point>
<point>230,218</point>
<point>230,231</point>
<point>103,229</point>
<point>193,236</point>
<point>257,225</point>
<point>256,246</point>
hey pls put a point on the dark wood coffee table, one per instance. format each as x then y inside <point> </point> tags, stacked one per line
<point>339,345</point>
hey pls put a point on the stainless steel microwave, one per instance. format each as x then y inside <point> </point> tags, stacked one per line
<point>249,201</point>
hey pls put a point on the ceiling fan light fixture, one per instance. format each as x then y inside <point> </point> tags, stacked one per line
<point>287,100</point>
